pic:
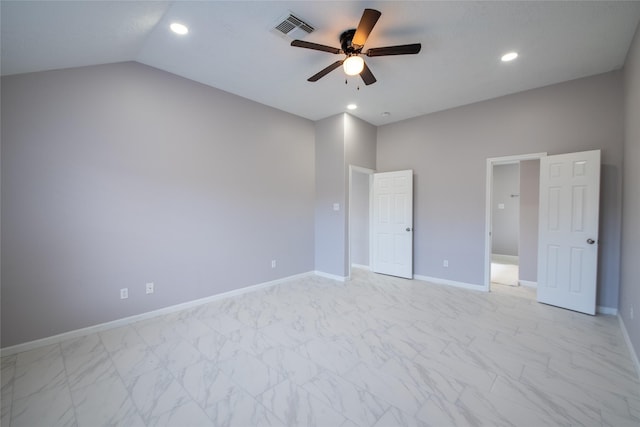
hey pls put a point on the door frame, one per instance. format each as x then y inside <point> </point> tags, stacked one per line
<point>491,162</point>
<point>358,169</point>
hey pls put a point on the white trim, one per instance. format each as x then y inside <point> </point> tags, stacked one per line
<point>632,351</point>
<point>506,160</point>
<point>447,282</point>
<point>609,311</point>
<point>491,161</point>
<point>331,276</point>
<point>371,220</point>
<point>511,259</point>
<point>55,339</point>
<point>362,267</point>
<point>528,283</point>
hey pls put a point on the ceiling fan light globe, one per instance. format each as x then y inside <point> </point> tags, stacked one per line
<point>353,65</point>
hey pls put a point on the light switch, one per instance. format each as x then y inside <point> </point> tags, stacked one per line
<point>500,205</point>
<point>336,206</point>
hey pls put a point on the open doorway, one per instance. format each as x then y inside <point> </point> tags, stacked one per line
<point>359,237</point>
<point>512,199</point>
<point>505,214</point>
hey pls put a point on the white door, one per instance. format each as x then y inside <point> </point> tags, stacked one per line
<point>568,230</point>
<point>393,223</point>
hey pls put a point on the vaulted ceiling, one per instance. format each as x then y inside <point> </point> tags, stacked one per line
<point>231,45</point>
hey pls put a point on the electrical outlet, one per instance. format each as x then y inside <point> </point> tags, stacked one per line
<point>273,263</point>
<point>445,263</point>
<point>149,288</point>
<point>124,293</point>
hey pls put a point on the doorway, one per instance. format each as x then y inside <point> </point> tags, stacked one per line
<point>359,218</point>
<point>512,220</point>
<point>505,227</point>
<point>380,222</point>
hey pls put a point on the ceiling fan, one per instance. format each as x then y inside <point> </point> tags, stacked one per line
<point>352,42</point>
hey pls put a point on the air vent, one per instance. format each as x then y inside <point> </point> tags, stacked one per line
<point>292,27</point>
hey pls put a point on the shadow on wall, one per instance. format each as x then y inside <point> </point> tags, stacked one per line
<point>610,195</point>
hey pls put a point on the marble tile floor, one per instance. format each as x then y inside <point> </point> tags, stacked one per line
<point>375,351</point>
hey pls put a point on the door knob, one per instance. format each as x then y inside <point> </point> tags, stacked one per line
<point>590,241</point>
<point>408,228</point>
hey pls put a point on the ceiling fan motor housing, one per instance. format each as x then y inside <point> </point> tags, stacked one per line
<point>346,42</point>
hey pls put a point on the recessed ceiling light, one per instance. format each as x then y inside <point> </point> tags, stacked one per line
<point>509,56</point>
<point>179,28</point>
<point>352,107</point>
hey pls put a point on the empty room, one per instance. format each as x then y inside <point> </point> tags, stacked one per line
<point>320,213</point>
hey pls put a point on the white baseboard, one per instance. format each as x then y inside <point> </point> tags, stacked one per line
<point>55,339</point>
<point>528,284</point>
<point>632,351</point>
<point>609,311</point>
<point>360,266</point>
<point>437,281</point>
<point>330,276</point>
<point>509,259</point>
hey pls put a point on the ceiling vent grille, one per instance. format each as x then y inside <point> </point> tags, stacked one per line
<point>292,27</point>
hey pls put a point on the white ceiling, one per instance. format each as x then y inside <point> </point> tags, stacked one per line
<point>230,46</point>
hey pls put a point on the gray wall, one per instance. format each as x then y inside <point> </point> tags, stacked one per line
<point>506,221</point>
<point>116,175</point>
<point>529,204</point>
<point>359,142</point>
<point>630,259</point>
<point>121,174</point>
<point>448,151</point>
<point>341,140</point>
<point>330,228</point>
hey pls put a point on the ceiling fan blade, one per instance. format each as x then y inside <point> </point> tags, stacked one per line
<point>367,76</point>
<point>405,49</point>
<point>315,46</point>
<point>367,22</point>
<point>325,71</point>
